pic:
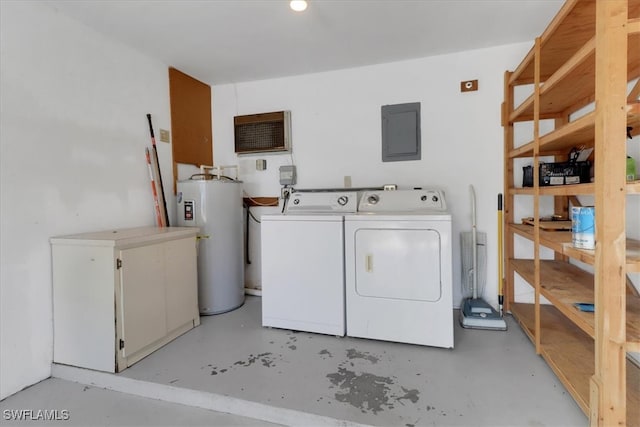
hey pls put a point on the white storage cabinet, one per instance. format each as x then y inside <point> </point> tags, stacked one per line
<point>119,295</point>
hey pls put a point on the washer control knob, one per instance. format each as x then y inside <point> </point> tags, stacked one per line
<point>434,198</point>
<point>373,199</point>
<point>423,198</point>
<point>343,200</point>
<point>296,201</point>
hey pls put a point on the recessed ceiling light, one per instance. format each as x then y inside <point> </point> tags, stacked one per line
<point>298,5</point>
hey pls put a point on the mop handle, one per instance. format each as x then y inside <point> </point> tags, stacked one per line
<point>474,245</point>
<point>500,255</point>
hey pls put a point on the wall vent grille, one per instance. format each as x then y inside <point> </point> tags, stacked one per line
<point>260,133</point>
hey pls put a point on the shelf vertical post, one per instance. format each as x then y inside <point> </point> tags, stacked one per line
<point>507,124</point>
<point>536,190</point>
<point>610,193</point>
<point>561,203</point>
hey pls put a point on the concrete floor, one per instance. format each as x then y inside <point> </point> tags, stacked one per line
<point>92,406</point>
<point>231,364</point>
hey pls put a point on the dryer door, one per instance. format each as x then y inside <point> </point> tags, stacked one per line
<point>399,264</point>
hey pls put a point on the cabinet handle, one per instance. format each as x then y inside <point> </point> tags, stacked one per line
<point>368,263</point>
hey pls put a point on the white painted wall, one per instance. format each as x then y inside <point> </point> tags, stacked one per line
<point>336,132</point>
<point>72,134</point>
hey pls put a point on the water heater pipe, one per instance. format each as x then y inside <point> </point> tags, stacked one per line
<point>218,171</point>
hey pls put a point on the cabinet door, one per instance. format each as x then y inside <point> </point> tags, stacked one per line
<point>181,282</point>
<point>83,306</point>
<point>142,293</point>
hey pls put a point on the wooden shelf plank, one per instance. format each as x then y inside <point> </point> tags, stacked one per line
<point>633,187</point>
<point>577,133</point>
<point>570,190</point>
<point>567,350</point>
<point>551,239</point>
<point>571,28</point>
<point>573,84</point>
<point>564,284</point>
<point>524,315</point>
<point>557,190</point>
<point>587,256</point>
<point>560,241</point>
<point>570,353</point>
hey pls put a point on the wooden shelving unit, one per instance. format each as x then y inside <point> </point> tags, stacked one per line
<point>583,61</point>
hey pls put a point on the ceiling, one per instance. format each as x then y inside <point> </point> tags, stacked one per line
<point>226,41</point>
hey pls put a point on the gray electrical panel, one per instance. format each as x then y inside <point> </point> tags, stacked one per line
<point>401,132</point>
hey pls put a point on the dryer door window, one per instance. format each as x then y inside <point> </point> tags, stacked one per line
<point>398,264</point>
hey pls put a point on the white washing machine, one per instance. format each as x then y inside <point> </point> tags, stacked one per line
<point>303,263</point>
<point>398,268</point>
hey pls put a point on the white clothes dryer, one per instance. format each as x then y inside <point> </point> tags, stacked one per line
<point>398,260</point>
<point>303,263</point>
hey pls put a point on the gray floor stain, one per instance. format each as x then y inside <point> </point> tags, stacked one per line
<point>267,362</point>
<point>365,391</point>
<point>291,340</point>
<point>352,353</point>
<point>325,352</point>
<point>411,395</point>
<point>266,359</point>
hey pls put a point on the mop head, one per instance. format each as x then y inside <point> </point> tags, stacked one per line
<point>477,314</point>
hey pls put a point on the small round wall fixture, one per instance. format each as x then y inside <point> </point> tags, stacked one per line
<point>298,5</point>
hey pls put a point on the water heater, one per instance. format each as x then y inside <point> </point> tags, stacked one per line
<point>215,206</point>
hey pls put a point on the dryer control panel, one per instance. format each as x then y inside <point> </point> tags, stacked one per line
<point>403,201</point>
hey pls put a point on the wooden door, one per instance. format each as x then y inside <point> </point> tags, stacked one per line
<point>190,101</point>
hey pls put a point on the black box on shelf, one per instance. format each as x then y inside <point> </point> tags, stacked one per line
<point>558,173</point>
